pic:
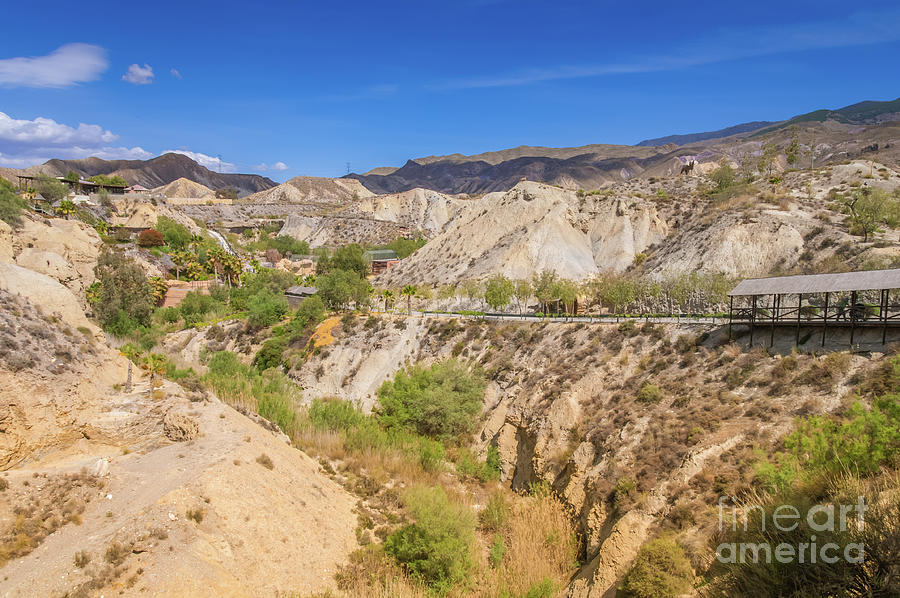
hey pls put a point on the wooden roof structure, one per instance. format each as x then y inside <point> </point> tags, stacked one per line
<point>871,280</point>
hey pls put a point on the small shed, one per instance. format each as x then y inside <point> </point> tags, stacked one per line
<point>381,259</point>
<point>296,294</point>
<point>849,299</point>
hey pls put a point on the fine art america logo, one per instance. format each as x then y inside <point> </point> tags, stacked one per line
<point>823,519</point>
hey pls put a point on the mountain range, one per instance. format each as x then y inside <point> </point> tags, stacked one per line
<point>835,134</point>
<point>156,172</point>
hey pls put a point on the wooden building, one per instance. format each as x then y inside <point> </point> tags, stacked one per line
<point>850,300</point>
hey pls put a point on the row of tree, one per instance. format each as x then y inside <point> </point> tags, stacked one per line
<point>618,293</point>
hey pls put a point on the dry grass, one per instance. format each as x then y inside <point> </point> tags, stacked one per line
<point>61,500</point>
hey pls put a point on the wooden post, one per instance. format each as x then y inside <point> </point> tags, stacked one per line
<point>730,314</point>
<point>825,320</point>
<point>752,317</point>
<point>799,309</point>
<point>884,315</point>
<point>852,317</point>
<point>775,301</point>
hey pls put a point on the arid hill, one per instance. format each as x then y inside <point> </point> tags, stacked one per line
<point>835,134</point>
<point>156,172</point>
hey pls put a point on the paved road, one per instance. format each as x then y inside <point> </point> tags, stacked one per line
<point>571,319</point>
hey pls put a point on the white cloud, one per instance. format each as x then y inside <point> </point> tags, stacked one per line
<point>28,142</point>
<point>175,73</point>
<point>279,166</point>
<point>48,132</point>
<point>212,162</point>
<point>67,65</point>
<point>139,75</point>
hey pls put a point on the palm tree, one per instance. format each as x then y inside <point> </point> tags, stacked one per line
<point>66,208</point>
<point>216,257</point>
<point>179,258</point>
<point>388,295</point>
<point>409,290</point>
<point>155,364</point>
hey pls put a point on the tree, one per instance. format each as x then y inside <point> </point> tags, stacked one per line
<point>121,300</point>
<point>566,292</point>
<point>766,161</point>
<point>266,308</point>
<point>792,153</point>
<point>522,293</point>
<point>155,365</point>
<point>349,257</point>
<point>102,179</point>
<point>150,238</point>
<point>66,208</point>
<point>179,258</point>
<point>870,208</point>
<point>51,189</point>
<point>339,287</point>
<point>724,175</point>
<point>231,268</point>
<point>408,291</point>
<point>72,177</point>
<point>498,292</point>
<point>544,284</point>
<point>216,258</point>
<point>388,297</point>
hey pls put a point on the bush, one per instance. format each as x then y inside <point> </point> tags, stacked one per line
<point>266,308</point>
<point>495,515</point>
<point>195,305</point>
<point>441,401</point>
<point>11,205</point>
<point>649,393</point>
<point>338,287</point>
<point>661,570</point>
<point>176,235</point>
<point>861,441</point>
<point>269,355</point>
<point>270,393</point>
<point>150,238</point>
<point>436,547</point>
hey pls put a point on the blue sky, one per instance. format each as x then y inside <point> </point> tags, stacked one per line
<point>289,88</point>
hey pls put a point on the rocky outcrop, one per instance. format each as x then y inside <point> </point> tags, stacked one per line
<point>531,228</point>
<point>65,250</point>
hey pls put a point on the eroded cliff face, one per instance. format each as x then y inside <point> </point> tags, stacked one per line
<point>633,427</point>
<point>534,227</point>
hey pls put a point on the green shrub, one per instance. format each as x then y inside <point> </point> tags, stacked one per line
<point>495,515</point>
<point>175,235</point>
<point>498,549</point>
<point>861,441</point>
<point>649,393</point>
<point>270,354</point>
<point>266,308</point>
<point>541,589</point>
<point>441,401</point>
<point>661,570</point>
<point>436,547</point>
<point>270,393</point>
<point>11,205</point>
